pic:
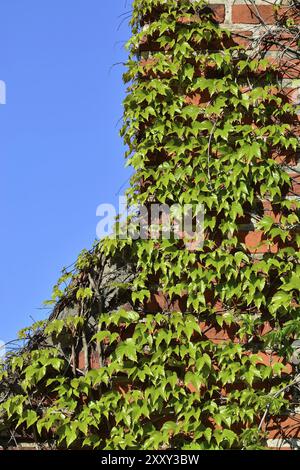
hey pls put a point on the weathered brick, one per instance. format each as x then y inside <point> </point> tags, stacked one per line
<point>255,14</point>
<point>242,38</point>
<point>250,14</point>
<point>285,40</point>
<point>287,426</point>
<point>219,12</point>
<point>290,68</point>
<point>256,243</point>
<point>295,183</point>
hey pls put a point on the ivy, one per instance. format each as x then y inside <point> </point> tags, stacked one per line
<point>188,373</point>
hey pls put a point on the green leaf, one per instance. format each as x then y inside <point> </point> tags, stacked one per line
<point>293,283</point>
<point>31,418</point>
<point>280,300</point>
<point>193,379</point>
<point>127,349</point>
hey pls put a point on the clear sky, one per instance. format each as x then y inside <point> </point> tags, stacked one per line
<point>61,154</point>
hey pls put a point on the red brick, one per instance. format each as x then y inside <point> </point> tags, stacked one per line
<point>255,242</point>
<point>285,67</point>
<point>219,12</point>
<point>290,68</point>
<point>270,359</point>
<point>285,158</point>
<point>242,38</point>
<point>292,94</point>
<point>250,15</point>
<point>94,362</point>
<point>284,427</point>
<point>296,183</point>
<point>285,40</point>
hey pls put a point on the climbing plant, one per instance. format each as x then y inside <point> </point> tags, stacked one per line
<point>199,360</point>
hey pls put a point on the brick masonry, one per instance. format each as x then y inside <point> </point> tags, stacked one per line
<point>244,19</point>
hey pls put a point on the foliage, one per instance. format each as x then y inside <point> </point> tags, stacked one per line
<point>203,124</point>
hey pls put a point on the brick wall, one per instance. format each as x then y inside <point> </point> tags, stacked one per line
<point>247,21</point>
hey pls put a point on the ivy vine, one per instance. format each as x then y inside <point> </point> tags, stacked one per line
<point>184,365</point>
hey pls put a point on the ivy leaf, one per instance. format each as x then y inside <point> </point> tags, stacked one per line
<point>70,433</point>
<point>293,283</point>
<point>230,436</point>
<point>128,349</point>
<point>31,418</point>
<point>191,112</point>
<point>188,72</point>
<point>266,223</point>
<point>208,434</point>
<point>279,300</point>
<point>193,379</point>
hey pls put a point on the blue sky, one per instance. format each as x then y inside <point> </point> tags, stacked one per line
<point>61,154</point>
